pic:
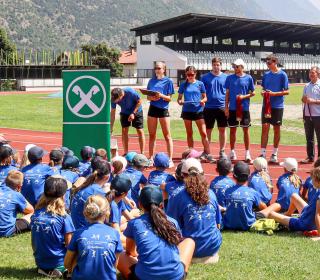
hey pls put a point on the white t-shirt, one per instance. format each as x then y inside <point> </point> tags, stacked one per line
<point>312,91</point>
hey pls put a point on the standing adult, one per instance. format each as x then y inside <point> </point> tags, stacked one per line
<point>311,113</point>
<point>131,114</point>
<point>159,109</point>
<point>214,82</point>
<point>275,86</point>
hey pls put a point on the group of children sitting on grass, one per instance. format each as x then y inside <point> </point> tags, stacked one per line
<point>90,217</point>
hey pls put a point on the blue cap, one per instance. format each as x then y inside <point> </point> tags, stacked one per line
<point>66,151</point>
<point>35,153</point>
<point>70,162</point>
<point>121,184</point>
<point>129,156</point>
<point>161,160</point>
<point>87,152</point>
<point>150,194</point>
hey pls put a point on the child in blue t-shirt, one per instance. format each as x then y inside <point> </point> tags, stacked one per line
<point>156,177</point>
<point>260,180</point>
<point>309,219</point>
<point>221,183</point>
<point>197,212</point>
<point>56,157</point>
<point>94,249</point>
<point>51,228</point>
<point>309,191</point>
<point>192,97</point>
<point>35,175</point>
<point>70,169</point>
<point>86,154</point>
<point>13,202</point>
<point>6,154</point>
<point>241,201</point>
<point>155,248</point>
<point>92,185</point>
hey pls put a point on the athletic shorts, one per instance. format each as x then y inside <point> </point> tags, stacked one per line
<point>21,226</point>
<point>156,112</point>
<point>276,116</point>
<point>245,121</point>
<point>212,115</point>
<point>136,123</point>
<point>192,116</point>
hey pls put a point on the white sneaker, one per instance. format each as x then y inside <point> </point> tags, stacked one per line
<point>248,158</point>
<point>233,155</point>
<point>171,164</point>
<point>150,162</point>
<point>51,274</point>
<point>274,158</point>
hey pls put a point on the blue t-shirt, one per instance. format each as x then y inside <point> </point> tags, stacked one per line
<point>116,210</point>
<point>198,222</point>
<point>157,177</point>
<point>275,82</point>
<point>4,170</point>
<point>192,94</point>
<point>286,189</point>
<point>78,202</point>
<point>56,169</point>
<point>157,259</point>
<point>33,181</point>
<point>164,86</point>
<point>11,203</point>
<point>97,246</point>
<point>174,187</point>
<point>312,191</point>
<point>47,237</point>
<point>129,101</point>
<point>85,168</point>
<point>137,178</point>
<point>257,183</point>
<point>240,201</point>
<point>215,89</point>
<point>239,85</point>
<point>219,185</point>
<point>69,175</point>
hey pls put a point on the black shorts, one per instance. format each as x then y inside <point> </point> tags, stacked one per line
<point>211,115</point>
<point>276,116</point>
<point>156,112</point>
<point>21,226</point>
<point>136,123</point>
<point>192,116</point>
<point>245,122</point>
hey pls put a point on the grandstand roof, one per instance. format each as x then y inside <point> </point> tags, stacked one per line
<point>203,25</point>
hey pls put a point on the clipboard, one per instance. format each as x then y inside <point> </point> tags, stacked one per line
<point>148,92</point>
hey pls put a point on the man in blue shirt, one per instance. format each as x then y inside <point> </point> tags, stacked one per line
<point>131,114</point>
<point>214,83</point>
<point>274,84</point>
<point>239,90</point>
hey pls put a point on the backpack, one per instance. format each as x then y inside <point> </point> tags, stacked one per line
<point>265,225</point>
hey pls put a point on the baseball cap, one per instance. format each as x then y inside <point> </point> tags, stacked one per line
<point>238,62</point>
<point>129,156</point>
<point>66,151</point>
<point>260,163</point>
<point>191,153</point>
<point>161,160</point>
<point>224,166</point>
<point>150,194</point>
<point>70,162</point>
<point>55,186</point>
<point>56,155</point>
<point>140,160</point>
<point>87,152</point>
<point>290,164</point>
<point>5,152</point>
<point>191,163</point>
<point>36,153</point>
<point>121,184</point>
<point>241,171</point>
<point>28,147</point>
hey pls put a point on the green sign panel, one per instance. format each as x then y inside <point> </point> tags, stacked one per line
<point>86,109</point>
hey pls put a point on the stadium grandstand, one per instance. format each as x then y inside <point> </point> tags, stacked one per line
<point>193,39</point>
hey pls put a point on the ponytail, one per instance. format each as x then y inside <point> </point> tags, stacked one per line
<point>295,180</point>
<point>51,163</point>
<point>111,195</point>
<point>266,178</point>
<point>162,226</point>
<point>197,186</point>
<point>89,181</point>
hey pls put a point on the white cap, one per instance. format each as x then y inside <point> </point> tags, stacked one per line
<point>260,163</point>
<point>122,160</point>
<point>191,162</point>
<point>290,164</point>
<point>28,147</point>
<point>238,62</point>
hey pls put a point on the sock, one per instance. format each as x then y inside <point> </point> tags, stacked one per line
<point>264,151</point>
<point>247,153</point>
<point>275,151</point>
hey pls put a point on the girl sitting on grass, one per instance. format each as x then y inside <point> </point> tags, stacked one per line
<point>5,163</point>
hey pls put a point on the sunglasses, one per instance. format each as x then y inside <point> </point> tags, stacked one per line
<point>191,75</point>
<point>157,68</point>
<point>269,62</point>
<point>236,66</point>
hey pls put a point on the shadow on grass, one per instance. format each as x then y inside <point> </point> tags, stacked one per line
<point>18,273</point>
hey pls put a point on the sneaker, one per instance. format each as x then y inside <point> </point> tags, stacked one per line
<point>171,164</point>
<point>307,160</point>
<point>248,158</point>
<point>207,157</point>
<point>262,155</point>
<point>51,274</point>
<point>150,164</point>
<point>273,158</point>
<point>222,154</point>
<point>233,155</point>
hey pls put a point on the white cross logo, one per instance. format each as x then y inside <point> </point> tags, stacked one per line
<point>85,98</point>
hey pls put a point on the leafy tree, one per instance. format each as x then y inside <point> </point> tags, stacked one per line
<point>105,57</point>
<point>7,48</point>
